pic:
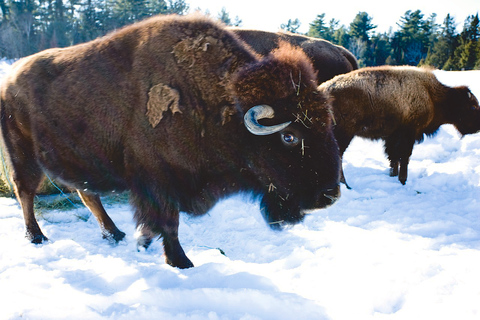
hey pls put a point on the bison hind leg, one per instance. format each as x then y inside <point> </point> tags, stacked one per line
<point>25,171</point>
<point>27,175</point>
<point>144,237</point>
<point>110,231</point>
<point>25,187</point>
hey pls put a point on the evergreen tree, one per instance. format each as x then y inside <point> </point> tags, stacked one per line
<point>157,7</point>
<point>291,26</point>
<point>179,7</point>
<point>466,52</point>
<point>332,28</point>
<point>4,10</point>
<point>469,43</point>
<point>381,49</point>
<point>318,28</point>
<point>361,27</point>
<point>224,16</point>
<point>442,44</point>
<point>341,37</point>
<point>410,43</point>
<point>128,11</point>
<point>360,44</point>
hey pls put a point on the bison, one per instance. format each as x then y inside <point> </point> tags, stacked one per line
<point>328,59</point>
<point>398,105</point>
<point>179,112</point>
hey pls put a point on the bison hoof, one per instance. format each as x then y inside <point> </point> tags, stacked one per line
<point>114,237</point>
<point>36,239</point>
<point>143,242</point>
<point>393,172</point>
<point>403,181</point>
<point>181,263</point>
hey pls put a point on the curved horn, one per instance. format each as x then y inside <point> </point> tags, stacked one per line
<point>260,112</point>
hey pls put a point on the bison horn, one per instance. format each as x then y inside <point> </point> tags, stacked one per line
<point>260,112</point>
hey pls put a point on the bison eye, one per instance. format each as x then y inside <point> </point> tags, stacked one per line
<point>289,139</point>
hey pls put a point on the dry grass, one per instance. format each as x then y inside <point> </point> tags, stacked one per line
<point>61,202</point>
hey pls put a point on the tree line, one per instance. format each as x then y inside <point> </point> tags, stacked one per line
<point>419,40</point>
<point>29,26</point>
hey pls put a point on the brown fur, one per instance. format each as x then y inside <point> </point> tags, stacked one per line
<point>157,109</point>
<point>398,105</point>
<point>328,59</point>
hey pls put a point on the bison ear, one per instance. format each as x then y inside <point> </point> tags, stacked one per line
<point>161,98</point>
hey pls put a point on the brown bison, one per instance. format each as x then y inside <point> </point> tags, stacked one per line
<point>181,113</point>
<point>399,105</point>
<point>328,59</point>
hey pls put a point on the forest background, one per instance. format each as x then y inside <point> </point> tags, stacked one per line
<point>29,26</point>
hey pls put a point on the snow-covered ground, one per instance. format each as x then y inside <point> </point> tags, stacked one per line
<point>383,251</point>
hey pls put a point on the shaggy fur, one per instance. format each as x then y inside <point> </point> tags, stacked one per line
<point>399,105</point>
<point>157,109</point>
<point>328,59</point>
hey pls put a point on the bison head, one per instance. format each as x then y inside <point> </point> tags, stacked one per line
<point>292,151</point>
<point>465,113</point>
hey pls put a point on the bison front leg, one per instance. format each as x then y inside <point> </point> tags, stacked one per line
<point>174,254</point>
<point>398,147</point>
<point>151,224</point>
<point>394,168</point>
<point>406,148</point>
<point>110,231</point>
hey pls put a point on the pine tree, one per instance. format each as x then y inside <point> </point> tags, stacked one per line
<point>381,49</point>
<point>361,27</point>
<point>291,26</point>
<point>224,16</point>
<point>318,28</point>
<point>179,7</point>
<point>466,53</point>
<point>442,44</point>
<point>360,44</point>
<point>410,43</point>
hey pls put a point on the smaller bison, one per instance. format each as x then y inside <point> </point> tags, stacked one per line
<point>398,105</point>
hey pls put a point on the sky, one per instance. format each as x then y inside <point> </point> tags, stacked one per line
<point>269,15</point>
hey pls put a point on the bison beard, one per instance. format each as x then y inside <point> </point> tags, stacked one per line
<point>158,109</point>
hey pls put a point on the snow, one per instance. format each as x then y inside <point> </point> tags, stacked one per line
<point>383,251</point>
